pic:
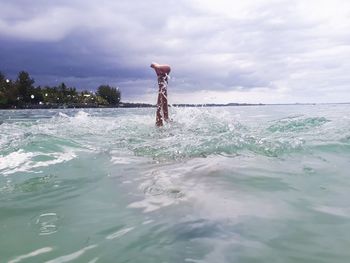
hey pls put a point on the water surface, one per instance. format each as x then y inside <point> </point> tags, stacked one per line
<point>228,184</point>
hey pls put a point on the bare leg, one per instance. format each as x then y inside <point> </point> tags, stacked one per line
<point>162,102</point>
<point>159,119</point>
<point>165,105</point>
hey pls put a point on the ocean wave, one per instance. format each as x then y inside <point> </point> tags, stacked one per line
<point>194,132</point>
<point>21,161</point>
<point>206,132</point>
<point>297,124</point>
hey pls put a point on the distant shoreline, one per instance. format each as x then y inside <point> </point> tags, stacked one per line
<point>146,105</point>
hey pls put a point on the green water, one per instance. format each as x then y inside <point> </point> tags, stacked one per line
<point>230,184</point>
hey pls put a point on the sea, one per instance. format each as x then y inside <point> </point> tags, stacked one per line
<point>217,184</point>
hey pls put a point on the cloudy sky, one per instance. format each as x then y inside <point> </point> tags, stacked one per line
<point>255,51</point>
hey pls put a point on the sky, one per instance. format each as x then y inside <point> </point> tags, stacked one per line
<point>222,51</point>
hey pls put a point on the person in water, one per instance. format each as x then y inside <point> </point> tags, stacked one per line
<point>162,72</point>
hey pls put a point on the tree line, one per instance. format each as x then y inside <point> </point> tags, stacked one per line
<point>21,93</point>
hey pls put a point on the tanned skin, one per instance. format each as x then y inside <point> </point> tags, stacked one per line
<point>162,72</point>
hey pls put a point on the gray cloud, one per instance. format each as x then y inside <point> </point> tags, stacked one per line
<point>290,48</point>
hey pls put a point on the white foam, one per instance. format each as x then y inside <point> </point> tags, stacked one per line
<point>31,254</point>
<point>119,233</point>
<point>147,222</point>
<point>63,115</point>
<point>81,115</point>
<point>14,159</point>
<point>151,204</point>
<point>120,160</point>
<point>94,260</point>
<point>21,161</point>
<point>124,157</point>
<point>72,256</point>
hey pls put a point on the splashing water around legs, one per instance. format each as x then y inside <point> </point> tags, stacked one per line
<point>162,72</point>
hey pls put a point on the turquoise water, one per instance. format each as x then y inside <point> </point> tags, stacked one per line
<point>229,184</point>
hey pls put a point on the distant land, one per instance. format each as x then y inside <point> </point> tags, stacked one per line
<point>22,94</point>
<point>147,105</point>
<point>124,105</point>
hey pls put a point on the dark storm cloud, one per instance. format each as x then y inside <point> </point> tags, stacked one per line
<point>80,40</point>
<point>64,59</point>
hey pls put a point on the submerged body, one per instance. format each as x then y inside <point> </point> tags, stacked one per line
<point>162,72</point>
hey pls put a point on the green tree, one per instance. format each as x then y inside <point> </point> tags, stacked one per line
<point>110,94</point>
<point>24,85</point>
<point>66,95</point>
<point>2,79</point>
<point>3,89</point>
<point>8,92</point>
<point>36,95</point>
